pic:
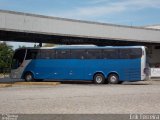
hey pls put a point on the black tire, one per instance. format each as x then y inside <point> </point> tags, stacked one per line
<point>120,82</point>
<point>29,77</point>
<point>38,80</point>
<point>113,79</point>
<point>99,79</point>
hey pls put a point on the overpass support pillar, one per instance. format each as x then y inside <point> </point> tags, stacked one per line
<point>40,44</point>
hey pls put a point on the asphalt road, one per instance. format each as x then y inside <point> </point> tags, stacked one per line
<point>86,98</point>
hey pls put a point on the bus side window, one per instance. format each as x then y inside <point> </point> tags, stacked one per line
<point>94,54</point>
<point>31,54</point>
<point>78,54</point>
<point>44,54</point>
<point>62,54</point>
<point>52,54</point>
<point>135,53</point>
<point>110,54</point>
<point>124,53</point>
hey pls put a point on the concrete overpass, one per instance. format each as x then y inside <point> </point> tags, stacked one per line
<point>24,27</point>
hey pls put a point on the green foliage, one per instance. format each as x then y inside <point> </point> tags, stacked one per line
<point>6,53</point>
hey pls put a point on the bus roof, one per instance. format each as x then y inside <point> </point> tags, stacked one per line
<point>81,46</point>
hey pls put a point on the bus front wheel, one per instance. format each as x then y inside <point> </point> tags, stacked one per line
<point>99,79</point>
<point>28,77</point>
<point>113,79</point>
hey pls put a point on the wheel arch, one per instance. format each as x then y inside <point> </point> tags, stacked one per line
<point>99,72</point>
<point>113,72</point>
<point>23,76</point>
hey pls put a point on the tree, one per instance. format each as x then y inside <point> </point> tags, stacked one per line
<point>6,53</point>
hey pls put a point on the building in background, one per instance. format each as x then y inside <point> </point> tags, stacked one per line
<point>33,28</point>
<point>154,55</point>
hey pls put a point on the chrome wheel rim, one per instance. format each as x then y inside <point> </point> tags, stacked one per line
<point>99,79</point>
<point>29,77</point>
<point>113,79</point>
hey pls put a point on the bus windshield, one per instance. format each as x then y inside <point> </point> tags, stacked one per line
<point>18,58</point>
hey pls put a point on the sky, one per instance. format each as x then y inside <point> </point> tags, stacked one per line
<point>122,12</point>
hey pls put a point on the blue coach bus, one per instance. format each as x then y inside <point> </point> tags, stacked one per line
<point>109,64</point>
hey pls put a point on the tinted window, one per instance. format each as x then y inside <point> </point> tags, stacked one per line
<point>52,54</point>
<point>40,54</point>
<point>94,54</point>
<point>62,54</point>
<point>78,54</point>
<point>124,53</point>
<point>110,54</point>
<point>32,54</point>
<point>135,53</point>
<point>131,53</point>
<point>47,54</point>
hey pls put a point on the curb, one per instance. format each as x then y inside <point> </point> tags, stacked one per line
<point>2,85</point>
<point>36,83</point>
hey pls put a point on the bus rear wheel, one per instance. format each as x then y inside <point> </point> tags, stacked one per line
<point>99,79</point>
<point>113,79</point>
<point>28,77</point>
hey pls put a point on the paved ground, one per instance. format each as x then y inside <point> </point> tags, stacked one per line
<point>138,97</point>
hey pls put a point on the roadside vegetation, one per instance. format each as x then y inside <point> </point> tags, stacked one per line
<point>6,53</point>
